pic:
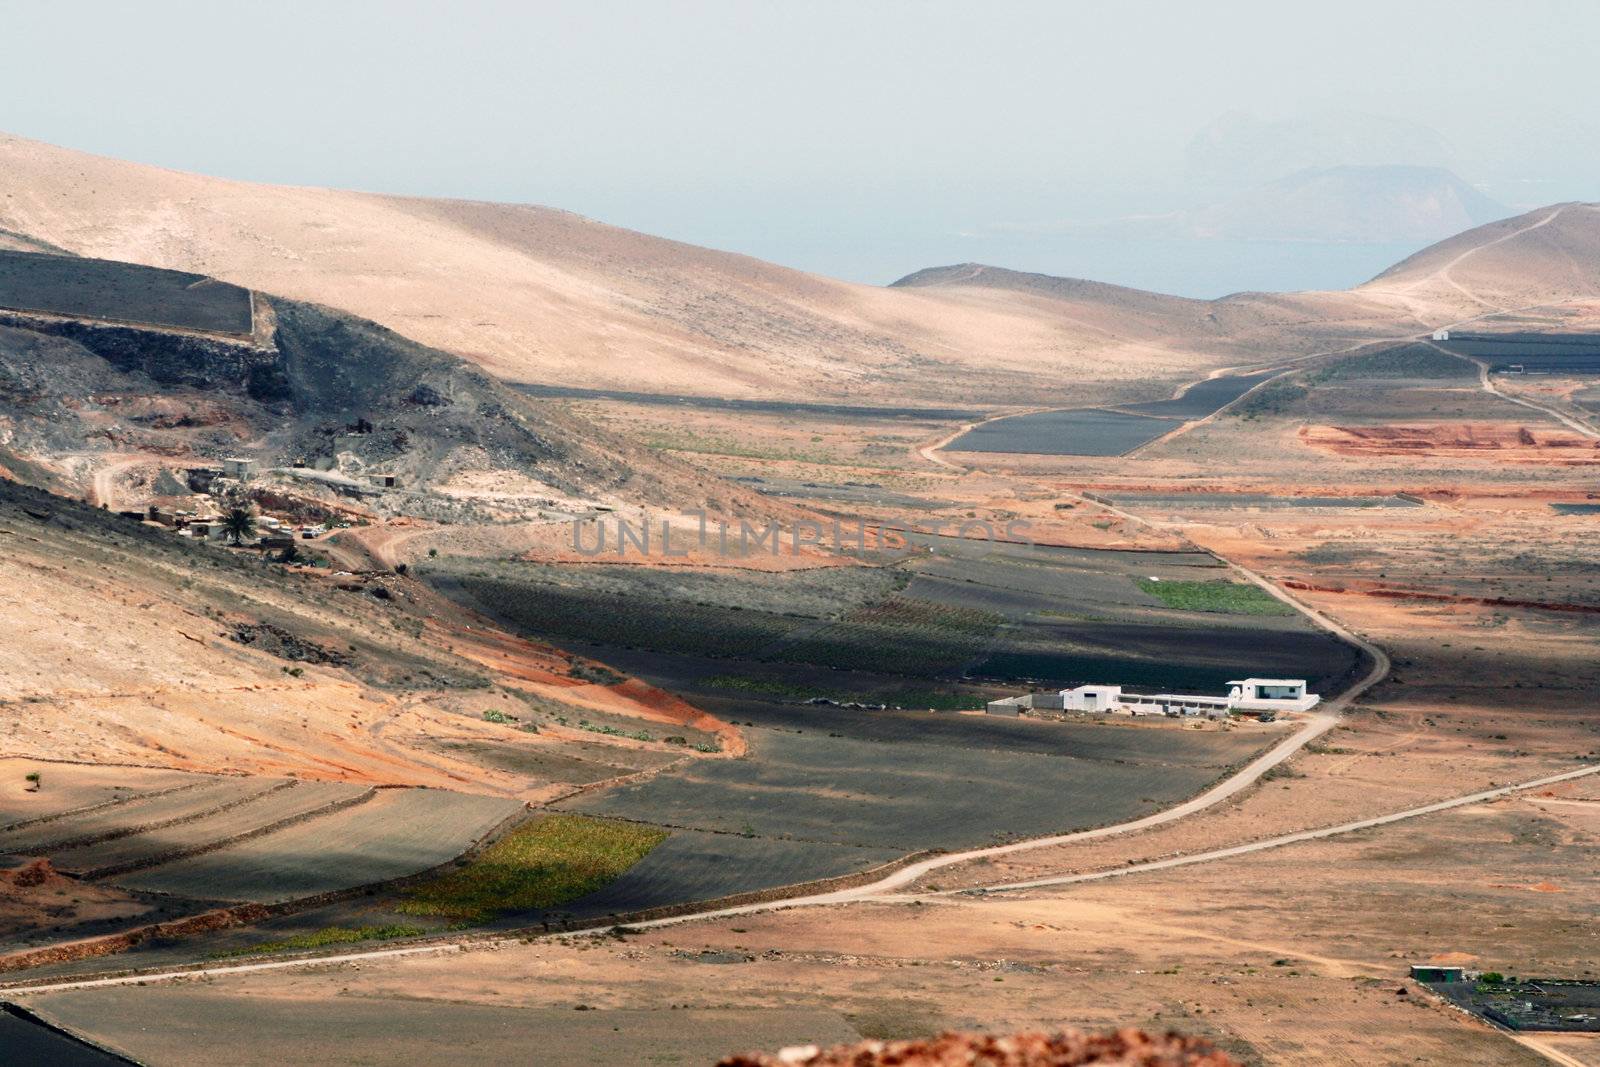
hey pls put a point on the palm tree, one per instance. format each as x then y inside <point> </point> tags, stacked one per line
<point>238,524</point>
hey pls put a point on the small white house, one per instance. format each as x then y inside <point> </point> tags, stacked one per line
<point>1441,335</point>
<point>1272,694</point>
<point>1091,698</point>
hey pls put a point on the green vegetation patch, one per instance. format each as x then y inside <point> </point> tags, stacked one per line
<point>541,865</point>
<point>331,935</point>
<point>1227,598</point>
<point>764,686</point>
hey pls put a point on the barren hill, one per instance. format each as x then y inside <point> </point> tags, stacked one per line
<point>539,295</point>
<point>1547,256</point>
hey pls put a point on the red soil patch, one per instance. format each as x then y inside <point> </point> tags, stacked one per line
<point>1360,588</point>
<point>1503,442</point>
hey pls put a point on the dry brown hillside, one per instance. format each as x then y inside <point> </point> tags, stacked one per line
<point>539,295</point>
<point>1550,256</point>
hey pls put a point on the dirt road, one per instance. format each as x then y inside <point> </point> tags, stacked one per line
<point>1486,383</point>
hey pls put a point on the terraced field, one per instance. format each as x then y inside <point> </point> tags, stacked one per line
<point>259,815</point>
<point>143,813</point>
<point>397,833</point>
<point>72,787</point>
<point>122,292</point>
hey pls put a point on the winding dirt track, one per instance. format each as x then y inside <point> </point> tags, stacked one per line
<point>1486,382</point>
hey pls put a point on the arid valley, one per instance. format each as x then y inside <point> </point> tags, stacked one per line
<point>439,630</point>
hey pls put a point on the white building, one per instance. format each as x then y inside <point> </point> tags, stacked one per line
<point>1441,335</point>
<point>1272,694</point>
<point>1248,695</point>
<point>1091,698</point>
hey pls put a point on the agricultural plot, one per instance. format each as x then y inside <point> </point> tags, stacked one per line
<point>135,815</point>
<point>1104,431</point>
<point>1216,596</point>
<point>72,787</point>
<point>1203,398</point>
<point>399,832</point>
<point>597,617</point>
<point>122,292</point>
<point>693,866</point>
<point>1544,353</point>
<point>839,790</point>
<point>1079,432</point>
<point>264,811</point>
<point>969,611</point>
<point>900,635</point>
<point>1414,361</point>
<point>1120,743</point>
<point>541,864</point>
<point>1092,559</point>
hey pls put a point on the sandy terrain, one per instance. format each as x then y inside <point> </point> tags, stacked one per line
<point>540,295</point>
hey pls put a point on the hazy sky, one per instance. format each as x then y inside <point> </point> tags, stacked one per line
<point>860,139</point>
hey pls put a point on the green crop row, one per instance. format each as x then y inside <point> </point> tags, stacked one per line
<point>540,865</point>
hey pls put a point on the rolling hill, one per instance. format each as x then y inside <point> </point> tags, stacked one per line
<point>533,294</point>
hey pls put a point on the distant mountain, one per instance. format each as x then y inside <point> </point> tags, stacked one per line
<point>1345,204</point>
<point>1368,204</point>
<point>1240,151</point>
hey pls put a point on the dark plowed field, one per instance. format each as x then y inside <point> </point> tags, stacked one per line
<point>1536,352</point>
<point>122,292</point>
<point>852,792</point>
<point>692,865</point>
<point>1104,431</point>
<point>1115,743</point>
<point>1080,432</point>
<point>1203,398</point>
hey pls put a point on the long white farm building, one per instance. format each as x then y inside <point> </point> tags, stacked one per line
<point>1253,695</point>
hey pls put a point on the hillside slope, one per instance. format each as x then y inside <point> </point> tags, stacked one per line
<point>1547,256</point>
<point>311,387</point>
<point>538,295</point>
